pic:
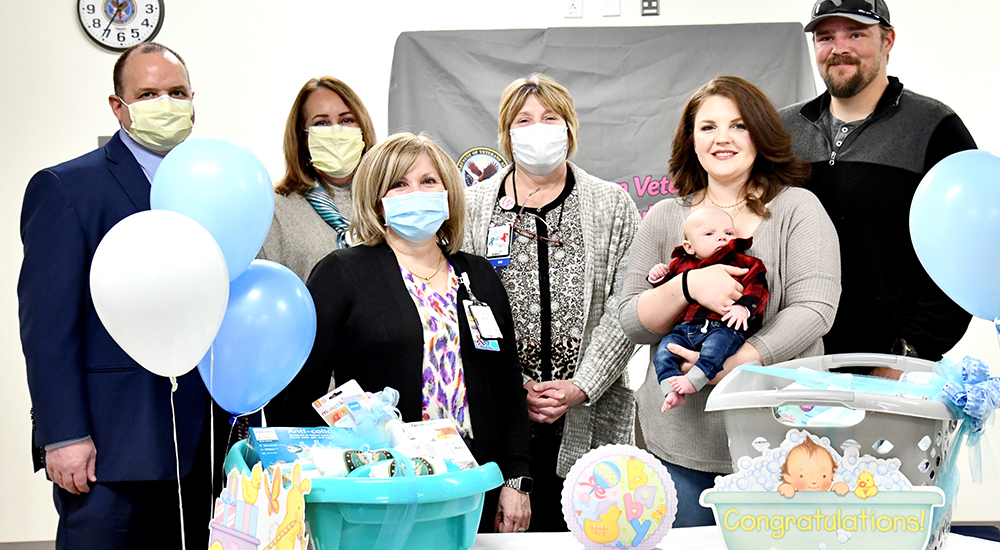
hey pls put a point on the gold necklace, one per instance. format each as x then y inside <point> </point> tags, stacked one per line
<point>717,205</point>
<point>428,278</point>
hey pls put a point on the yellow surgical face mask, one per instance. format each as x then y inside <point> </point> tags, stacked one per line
<point>160,124</point>
<point>335,150</point>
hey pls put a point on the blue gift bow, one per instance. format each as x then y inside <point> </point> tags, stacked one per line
<point>971,390</point>
<point>974,396</point>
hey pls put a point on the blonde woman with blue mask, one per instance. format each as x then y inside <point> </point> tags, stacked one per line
<point>327,132</point>
<point>406,308</point>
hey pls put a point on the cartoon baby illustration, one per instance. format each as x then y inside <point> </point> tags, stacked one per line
<point>809,467</point>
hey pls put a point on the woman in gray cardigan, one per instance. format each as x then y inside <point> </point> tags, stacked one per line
<point>327,132</point>
<point>730,152</point>
<point>561,238</point>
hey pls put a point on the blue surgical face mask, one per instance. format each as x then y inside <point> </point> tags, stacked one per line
<point>416,216</point>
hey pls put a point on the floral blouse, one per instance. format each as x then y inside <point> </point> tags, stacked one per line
<point>444,393</point>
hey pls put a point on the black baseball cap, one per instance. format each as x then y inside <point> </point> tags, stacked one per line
<point>868,12</point>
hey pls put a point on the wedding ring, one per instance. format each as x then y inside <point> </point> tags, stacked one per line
<point>520,529</point>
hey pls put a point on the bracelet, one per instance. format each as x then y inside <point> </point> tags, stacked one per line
<point>684,287</point>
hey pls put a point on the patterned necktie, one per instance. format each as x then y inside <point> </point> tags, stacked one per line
<point>323,204</point>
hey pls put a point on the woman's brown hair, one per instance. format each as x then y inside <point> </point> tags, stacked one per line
<point>774,168</point>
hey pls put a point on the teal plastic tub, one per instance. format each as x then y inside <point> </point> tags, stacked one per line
<point>439,512</point>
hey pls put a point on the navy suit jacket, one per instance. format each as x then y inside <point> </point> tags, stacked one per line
<point>81,382</point>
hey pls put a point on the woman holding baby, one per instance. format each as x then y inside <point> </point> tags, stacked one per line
<point>730,152</point>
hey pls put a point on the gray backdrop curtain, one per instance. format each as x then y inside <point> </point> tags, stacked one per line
<point>629,85</point>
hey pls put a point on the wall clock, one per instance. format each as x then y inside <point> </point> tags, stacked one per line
<point>117,25</point>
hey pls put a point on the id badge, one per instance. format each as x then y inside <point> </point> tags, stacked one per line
<point>477,338</point>
<point>498,241</point>
<point>485,321</point>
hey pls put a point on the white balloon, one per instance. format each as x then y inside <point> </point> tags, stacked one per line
<point>160,286</point>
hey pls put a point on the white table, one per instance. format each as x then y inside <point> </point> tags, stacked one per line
<point>691,538</point>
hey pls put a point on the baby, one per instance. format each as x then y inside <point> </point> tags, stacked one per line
<point>809,467</point>
<point>709,238</point>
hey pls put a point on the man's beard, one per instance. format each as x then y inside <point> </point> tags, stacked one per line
<point>853,85</point>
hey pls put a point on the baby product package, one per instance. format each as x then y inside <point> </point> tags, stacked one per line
<point>432,438</point>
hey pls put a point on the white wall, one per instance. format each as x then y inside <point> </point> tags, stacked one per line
<point>248,58</point>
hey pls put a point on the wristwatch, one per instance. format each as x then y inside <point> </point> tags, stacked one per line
<point>522,484</point>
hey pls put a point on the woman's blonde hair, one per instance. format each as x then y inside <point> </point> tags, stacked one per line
<point>383,166</point>
<point>299,172</point>
<point>550,94</point>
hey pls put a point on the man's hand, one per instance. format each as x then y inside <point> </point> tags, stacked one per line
<point>513,512</point>
<point>72,466</point>
<point>548,401</point>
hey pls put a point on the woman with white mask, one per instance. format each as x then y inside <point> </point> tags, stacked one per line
<point>327,132</point>
<point>559,238</point>
<point>406,308</point>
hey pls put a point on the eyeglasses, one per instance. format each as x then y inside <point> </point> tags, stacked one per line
<point>555,238</point>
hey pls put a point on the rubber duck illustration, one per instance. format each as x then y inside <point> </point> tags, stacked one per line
<point>606,530</point>
<point>251,485</point>
<point>866,486</point>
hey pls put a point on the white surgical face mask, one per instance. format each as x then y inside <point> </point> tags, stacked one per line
<point>539,148</point>
<point>160,124</point>
<point>335,150</point>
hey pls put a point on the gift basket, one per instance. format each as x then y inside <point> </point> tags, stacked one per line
<point>414,512</point>
<point>366,481</point>
<point>883,453</point>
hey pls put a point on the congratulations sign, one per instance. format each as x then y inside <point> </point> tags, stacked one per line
<point>898,520</point>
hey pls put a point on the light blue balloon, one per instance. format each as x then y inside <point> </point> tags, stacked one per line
<point>265,338</point>
<point>955,229</point>
<point>223,187</point>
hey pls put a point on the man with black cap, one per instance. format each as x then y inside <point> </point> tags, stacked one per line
<point>870,141</point>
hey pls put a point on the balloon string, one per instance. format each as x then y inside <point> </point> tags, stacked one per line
<point>211,424</point>
<point>177,458</point>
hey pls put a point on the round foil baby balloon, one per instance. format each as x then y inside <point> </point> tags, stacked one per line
<point>619,496</point>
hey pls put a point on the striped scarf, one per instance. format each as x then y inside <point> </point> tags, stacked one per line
<point>323,204</point>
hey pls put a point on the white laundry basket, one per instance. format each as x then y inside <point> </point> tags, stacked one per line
<point>922,434</point>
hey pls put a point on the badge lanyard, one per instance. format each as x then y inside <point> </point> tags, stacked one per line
<point>482,323</point>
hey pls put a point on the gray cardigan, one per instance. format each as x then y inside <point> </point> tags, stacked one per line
<point>298,238</point>
<point>610,219</point>
<point>799,248</point>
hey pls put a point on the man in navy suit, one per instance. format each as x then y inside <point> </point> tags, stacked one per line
<point>102,424</point>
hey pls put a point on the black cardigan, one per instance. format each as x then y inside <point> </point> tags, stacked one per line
<point>368,329</point>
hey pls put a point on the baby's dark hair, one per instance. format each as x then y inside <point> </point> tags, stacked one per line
<point>810,448</point>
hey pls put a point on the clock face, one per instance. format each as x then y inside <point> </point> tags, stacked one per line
<point>120,24</point>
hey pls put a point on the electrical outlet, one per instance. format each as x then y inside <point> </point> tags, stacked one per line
<point>650,7</point>
<point>574,8</point>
